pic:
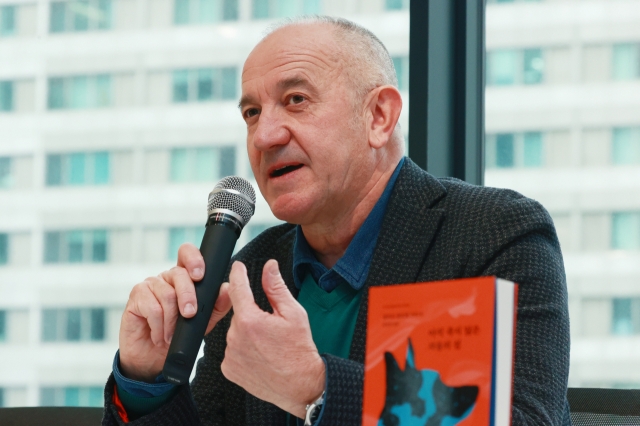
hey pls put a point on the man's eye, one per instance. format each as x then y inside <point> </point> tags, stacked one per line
<point>251,112</point>
<point>296,99</point>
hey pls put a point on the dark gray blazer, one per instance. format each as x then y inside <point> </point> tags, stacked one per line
<point>434,229</point>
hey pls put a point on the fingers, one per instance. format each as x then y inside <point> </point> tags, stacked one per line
<point>190,258</point>
<point>155,300</point>
<point>184,289</point>
<point>221,308</point>
<point>276,289</point>
<point>240,290</point>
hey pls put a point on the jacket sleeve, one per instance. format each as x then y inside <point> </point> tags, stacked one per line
<point>525,250</point>
<point>343,395</point>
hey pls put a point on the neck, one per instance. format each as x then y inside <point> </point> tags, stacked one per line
<point>329,240</point>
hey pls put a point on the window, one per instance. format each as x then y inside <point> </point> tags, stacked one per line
<point>181,235</point>
<point>270,9</point>
<point>396,4</point>
<point>625,231</point>
<point>80,92</point>
<point>80,15</point>
<point>626,61</point>
<point>73,325</point>
<point>512,1</point>
<point>626,316</point>
<point>7,21</point>
<point>3,328</point>
<point>6,95</point>
<point>204,84</point>
<point>78,169</point>
<point>510,66</point>
<point>78,396</point>
<point>509,150</point>
<point>76,246</point>
<point>401,64</point>
<point>626,145</point>
<point>5,172</point>
<point>4,249</point>
<point>204,11</point>
<point>203,164</point>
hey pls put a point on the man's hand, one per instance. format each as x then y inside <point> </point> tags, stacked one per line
<point>149,318</point>
<point>272,356</point>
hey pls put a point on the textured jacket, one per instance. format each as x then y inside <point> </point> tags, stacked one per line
<point>433,229</point>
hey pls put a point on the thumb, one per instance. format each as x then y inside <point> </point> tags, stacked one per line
<point>276,289</point>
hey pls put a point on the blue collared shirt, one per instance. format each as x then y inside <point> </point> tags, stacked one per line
<point>352,267</point>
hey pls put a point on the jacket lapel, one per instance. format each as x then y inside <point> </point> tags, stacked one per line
<point>408,228</point>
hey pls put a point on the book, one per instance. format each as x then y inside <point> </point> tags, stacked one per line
<point>440,353</point>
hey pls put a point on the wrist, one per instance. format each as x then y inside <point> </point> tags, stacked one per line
<point>315,388</point>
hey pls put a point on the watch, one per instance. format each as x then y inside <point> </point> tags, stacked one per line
<point>313,410</point>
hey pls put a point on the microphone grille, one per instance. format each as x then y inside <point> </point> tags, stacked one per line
<point>233,193</point>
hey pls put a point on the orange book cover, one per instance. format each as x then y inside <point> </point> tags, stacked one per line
<point>430,353</point>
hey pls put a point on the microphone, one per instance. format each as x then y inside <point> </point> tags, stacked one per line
<point>231,205</point>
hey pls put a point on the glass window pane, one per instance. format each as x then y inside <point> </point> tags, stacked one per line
<point>206,167</point>
<point>177,236</point>
<point>394,4</point>
<point>227,162</point>
<point>626,61</point>
<point>97,324</point>
<point>72,397</point>
<point>105,15</point>
<point>79,92</point>
<point>52,242</point>
<point>57,23</point>
<point>3,327</point>
<point>533,153</point>
<point>502,67</point>
<point>626,146</point>
<point>181,12</point>
<point>96,397</point>
<point>101,168</point>
<point>205,84</point>
<point>73,325</point>
<point>208,11</point>
<point>56,99</point>
<point>54,170</point>
<point>179,165</point>
<point>6,95</point>
<point>99,246</point>
<point>311,7</point>
<point>230,10</point>
<point>7,20</point>
<point>75,246</point>
<point>286,8</point>
<point>181,86</point>
<point>533,66</point>
<point>5,172</point>
<point>626,231</point>
<point>505,150</point>
<point>80,12</point>
<point>229,79</point>
<point>4,249</point>
<point>260,9</point>
<point>50,325</point>
<point>77,169</point>
<point>622,321</point>
<point>48,397</point>
<point>102,91</point>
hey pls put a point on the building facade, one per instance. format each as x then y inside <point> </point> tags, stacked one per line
<point>117,117</point>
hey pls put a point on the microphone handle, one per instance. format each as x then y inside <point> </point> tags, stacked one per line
<point>217,248</point>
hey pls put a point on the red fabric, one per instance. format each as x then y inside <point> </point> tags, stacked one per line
<point>116,401</point>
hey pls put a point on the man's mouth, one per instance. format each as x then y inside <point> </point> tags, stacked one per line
<point>284,170</point>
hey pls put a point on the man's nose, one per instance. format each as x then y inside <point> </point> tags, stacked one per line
<point>270,131</point>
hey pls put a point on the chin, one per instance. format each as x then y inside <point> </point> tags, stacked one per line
<point>290,208</point>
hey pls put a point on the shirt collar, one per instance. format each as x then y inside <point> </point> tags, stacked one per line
<point>353,266</point>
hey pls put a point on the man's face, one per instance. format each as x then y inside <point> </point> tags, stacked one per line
<point>305,138</point>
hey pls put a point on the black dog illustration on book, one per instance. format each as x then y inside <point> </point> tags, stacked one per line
<point>418,397</point>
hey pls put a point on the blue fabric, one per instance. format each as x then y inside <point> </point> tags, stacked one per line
<point>141,389</point>
<point>353,266</point>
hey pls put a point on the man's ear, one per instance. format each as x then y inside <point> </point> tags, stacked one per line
<point>383,110</point>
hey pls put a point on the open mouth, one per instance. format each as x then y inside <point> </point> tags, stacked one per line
<point>284,170</point>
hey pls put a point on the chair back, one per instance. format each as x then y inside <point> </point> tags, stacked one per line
<point>51,416</point>
<point>604,407</point>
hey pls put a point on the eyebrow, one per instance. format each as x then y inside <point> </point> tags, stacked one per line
<point>285,84</point>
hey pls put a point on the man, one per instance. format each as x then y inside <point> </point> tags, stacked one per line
<point>321,105</point>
